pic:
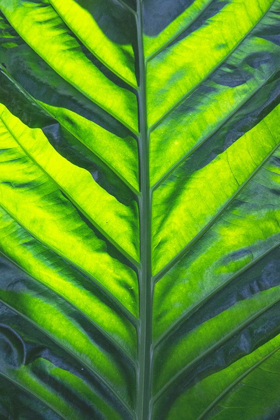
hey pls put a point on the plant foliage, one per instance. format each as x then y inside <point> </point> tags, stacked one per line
<point>139,209</point>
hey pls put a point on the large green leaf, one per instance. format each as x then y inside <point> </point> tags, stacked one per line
<point>139,209</point>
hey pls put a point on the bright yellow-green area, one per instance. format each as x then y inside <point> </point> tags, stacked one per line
<point>184,130</point>
<point>204,194</point>
<point>30,176</point>
<point>246,232</point>
<point>54,320</point>
<point>44,31</point>
<point>261,367</point>
<point>118,222</point>
<point>182,22</point>
<point>51,271</point>
<point>207,273</point>
<point>120,154</point>
<point>30,377</point>
<point>198,343</point>
<point>183,66</point>
<point>204,271</point>
<point>118,58</point>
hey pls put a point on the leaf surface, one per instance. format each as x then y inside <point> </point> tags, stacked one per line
<point>139,209</point>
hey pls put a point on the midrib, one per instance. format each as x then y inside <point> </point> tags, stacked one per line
<point>143,395</point>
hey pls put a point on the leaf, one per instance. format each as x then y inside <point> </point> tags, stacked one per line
<point>139,209</point>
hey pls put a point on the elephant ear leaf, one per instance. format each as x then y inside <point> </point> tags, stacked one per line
<point>139,209</point>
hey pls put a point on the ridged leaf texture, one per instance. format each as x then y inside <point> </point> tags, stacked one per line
<point>139,209</point>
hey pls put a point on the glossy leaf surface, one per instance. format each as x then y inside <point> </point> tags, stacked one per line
<point>139,209</point>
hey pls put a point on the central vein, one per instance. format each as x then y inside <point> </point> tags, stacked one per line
<point>145,273</point>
